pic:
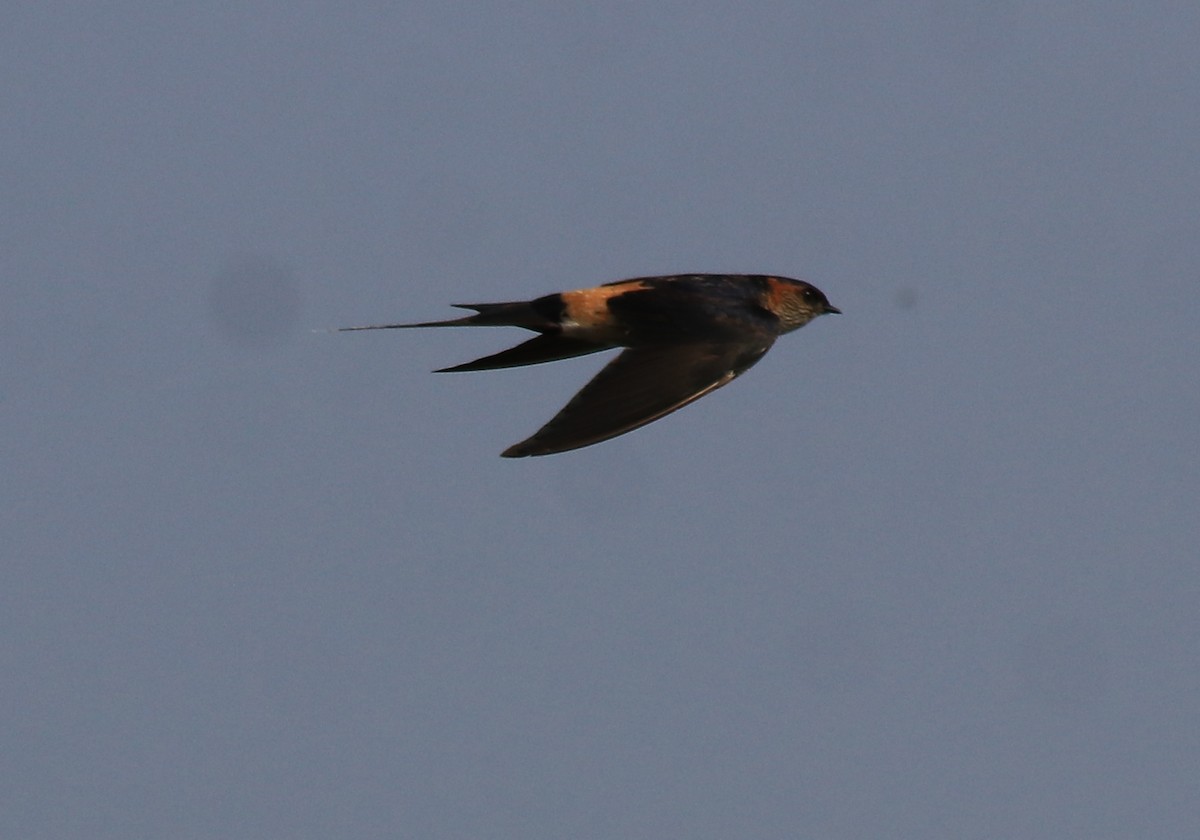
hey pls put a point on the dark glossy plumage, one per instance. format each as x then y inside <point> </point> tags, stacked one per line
<point>684,336</point>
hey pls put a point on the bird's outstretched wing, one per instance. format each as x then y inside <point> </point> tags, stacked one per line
<point>638,387</point>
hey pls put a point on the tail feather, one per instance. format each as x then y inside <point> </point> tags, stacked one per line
<point>548,347</point>
<point>514,314</point>
<point>456,322</point>
<point>521,313</point>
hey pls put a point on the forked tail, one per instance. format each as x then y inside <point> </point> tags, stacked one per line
<point>540,315</point>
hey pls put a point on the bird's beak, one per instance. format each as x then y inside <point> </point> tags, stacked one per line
<point>832,310</point>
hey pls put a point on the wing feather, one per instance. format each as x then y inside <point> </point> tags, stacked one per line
<point>638,387</point>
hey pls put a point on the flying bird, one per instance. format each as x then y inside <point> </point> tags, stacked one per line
<point>683,336</point>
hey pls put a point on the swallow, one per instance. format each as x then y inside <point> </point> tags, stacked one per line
<point>683,336</point>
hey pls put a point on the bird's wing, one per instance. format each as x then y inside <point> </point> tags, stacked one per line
<point>638,387</point>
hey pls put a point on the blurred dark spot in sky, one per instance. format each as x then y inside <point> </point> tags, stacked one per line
<point>254,302</point>
<point>906,298</point>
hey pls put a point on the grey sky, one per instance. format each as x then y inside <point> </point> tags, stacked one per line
<point>928,570</point>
